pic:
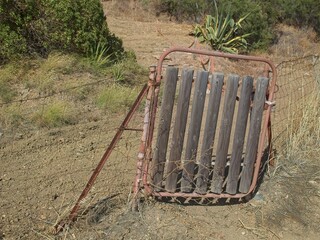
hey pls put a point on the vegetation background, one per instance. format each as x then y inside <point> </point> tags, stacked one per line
<point>68,74</point>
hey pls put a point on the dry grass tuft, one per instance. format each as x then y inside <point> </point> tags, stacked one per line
<point>48,72</point>
<point>11,116</point>
<point>116,97</point>
<point>293,42</point>
<point>7,76</point>
<point>294,186</point>
<point>55,114</point>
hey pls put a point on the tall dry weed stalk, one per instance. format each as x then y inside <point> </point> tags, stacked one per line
<point>294,186</point>
<point>304,133</point>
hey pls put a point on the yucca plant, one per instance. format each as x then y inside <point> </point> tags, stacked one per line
<point>221,32</point>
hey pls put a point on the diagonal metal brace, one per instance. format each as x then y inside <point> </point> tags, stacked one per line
<point>74,212</point>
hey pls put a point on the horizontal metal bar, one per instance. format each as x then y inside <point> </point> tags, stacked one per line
<point>133,129</point>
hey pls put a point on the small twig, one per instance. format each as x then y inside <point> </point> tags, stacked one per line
<point>244,226</point>
<point>254,230</point>
<point>41,234</point>
<point>273,233</point>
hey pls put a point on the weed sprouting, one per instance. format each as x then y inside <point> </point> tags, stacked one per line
<point>99,56</point>
<point>49,71</point>
<point>55,114</point>
<point>7,76</point>
<point>6,92</point>
<point>12,116</point>
<point>128,71</point>
<point>116,97</point>
<point>118,73</point>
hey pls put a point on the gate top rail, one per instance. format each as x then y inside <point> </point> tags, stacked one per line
<point>222,55</point>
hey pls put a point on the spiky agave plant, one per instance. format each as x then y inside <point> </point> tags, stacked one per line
<point>221,32</point>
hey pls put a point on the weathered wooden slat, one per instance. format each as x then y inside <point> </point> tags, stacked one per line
<point>164,126</point>
<point>194,131</point>
<point>179,130</point>
<point>254,133</point>
<point>209,132</point>
<point>239,135</point>
<point>224,135</point>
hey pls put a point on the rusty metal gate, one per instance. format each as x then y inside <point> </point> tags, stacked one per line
<point>207,145</point>
<point>200,144</point>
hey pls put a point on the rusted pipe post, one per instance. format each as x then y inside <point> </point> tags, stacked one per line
<point>142,148</point>
<point>269,131</point>
<point>155,89</point>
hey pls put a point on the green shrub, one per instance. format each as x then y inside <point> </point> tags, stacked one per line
<point>192,10</point>
<point>40,26</point>
<point>301,13</point>
<point>265,14</point>
<point>11,43</point>
<point>80,25</point>
<point>257,23</point>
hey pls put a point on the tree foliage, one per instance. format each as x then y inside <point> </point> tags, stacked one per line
<point>40,26</point>
<point>301,13</point>
<point>264,15</point>
<point>184,9</point>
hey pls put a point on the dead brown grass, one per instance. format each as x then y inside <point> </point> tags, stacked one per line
<point>293,43</point>
<point>293,190</point>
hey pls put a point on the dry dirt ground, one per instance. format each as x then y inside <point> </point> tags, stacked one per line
<point>42,173</point>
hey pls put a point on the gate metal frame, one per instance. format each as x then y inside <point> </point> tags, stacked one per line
<point>145,153</point>
<point>151,90</point>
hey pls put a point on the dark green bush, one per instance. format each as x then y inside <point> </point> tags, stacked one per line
<point>12,42</point>
<point>40,26</point>
<point>192,10</point>
<point>301,13</point>
<point>264,15</point>
<point>258,24</point>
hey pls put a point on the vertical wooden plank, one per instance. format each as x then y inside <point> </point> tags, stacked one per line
<point>194,131</point>
<point>164,126</point>
<point>239,135</point>
<point>179,130</point>
<point>254,133</point>
<point>209,132</point>
<point>224,135</point>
